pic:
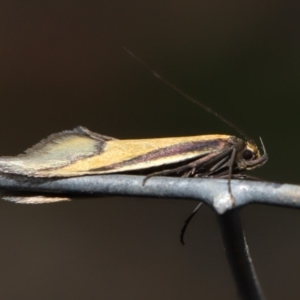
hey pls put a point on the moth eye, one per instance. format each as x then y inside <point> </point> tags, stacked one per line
<point>247,154</point>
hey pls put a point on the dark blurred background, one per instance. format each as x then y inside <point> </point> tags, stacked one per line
<point>62,64</point>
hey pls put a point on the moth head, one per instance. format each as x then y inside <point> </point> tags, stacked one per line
<point>250,157</point>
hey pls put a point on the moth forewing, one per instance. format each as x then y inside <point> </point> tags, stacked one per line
<point>80,152</point>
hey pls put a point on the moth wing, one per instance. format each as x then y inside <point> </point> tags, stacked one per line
<point>33,199</point>
<point>121,156</point>
<point>56,151</point>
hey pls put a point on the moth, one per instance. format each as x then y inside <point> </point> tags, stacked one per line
<point>81,152</point>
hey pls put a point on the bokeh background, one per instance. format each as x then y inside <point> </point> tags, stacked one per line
<point>62,64</point>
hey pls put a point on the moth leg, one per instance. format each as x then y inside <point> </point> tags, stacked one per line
<point>242,176</point>
<point>189,167</point>
<point>165,172</point>
<point>188,173</point>
<point>218,162</point>
<point>218,166</point>
<point>230,170</point>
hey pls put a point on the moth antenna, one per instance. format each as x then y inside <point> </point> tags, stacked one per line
<point>262,145</point>
<point>187,222</point>
<point>187,96</point>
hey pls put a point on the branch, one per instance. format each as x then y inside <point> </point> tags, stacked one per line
<point>213,192</point>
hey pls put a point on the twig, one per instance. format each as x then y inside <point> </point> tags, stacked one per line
<point>213,192</point>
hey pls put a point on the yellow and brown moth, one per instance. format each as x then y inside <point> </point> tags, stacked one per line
<point>81,152</point>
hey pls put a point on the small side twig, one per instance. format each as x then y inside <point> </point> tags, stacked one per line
<point>239,257</point>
